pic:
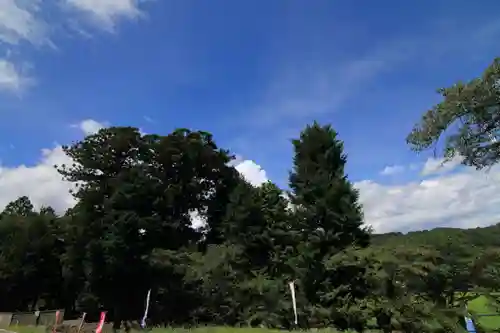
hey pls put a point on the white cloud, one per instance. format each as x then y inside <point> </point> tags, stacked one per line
<point>20,21</point>
<point>41,183</point>
<point>432,166</point>
<point>90,126</point>
<point>12,79</point>
<point>252,172</point>
<point>392,170</point>
<point>440,166</point>
<point>465,199</point>
<point>468,198</point>
<point>106,13</point>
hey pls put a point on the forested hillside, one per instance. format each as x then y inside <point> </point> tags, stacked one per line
<point>476,238</point>
<point>131,231</point>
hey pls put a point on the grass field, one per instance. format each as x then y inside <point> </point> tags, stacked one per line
<point>21,329</point>
<point>481,306</point>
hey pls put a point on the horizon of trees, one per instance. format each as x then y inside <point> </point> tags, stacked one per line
<point>130,231</point>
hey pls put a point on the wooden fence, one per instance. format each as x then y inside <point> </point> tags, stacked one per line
<point>35,318</point>
<point>48,319</point>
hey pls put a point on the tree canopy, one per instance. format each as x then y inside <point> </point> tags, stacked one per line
<point>468,119</point>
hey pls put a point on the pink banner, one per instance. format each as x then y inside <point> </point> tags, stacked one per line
<point>58,314</point>
<point>101,322</point>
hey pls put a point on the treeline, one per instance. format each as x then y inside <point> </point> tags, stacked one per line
<point>471,240</point>
<point>131,231</point>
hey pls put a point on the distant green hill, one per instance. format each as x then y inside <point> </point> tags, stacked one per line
<point>479,238</point>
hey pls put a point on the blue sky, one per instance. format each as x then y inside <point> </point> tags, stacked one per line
<point>253,73</point>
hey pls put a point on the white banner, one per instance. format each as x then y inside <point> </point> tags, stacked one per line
<point>294,301</point>
<point>143,322</point>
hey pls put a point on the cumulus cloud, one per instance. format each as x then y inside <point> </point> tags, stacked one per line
<point>41,182</point>
<point>439,166</point>
<point>465,199</point>
<point>252,172</point>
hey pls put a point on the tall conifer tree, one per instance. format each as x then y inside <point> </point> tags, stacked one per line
<point>329,216</point>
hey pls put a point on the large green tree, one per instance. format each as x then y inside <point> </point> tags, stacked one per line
<point>330,217</point>
<point>136,194</point>
<point>468,119</point>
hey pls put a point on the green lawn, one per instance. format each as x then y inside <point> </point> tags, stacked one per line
<point>481,305</point>
<point>21,329</point>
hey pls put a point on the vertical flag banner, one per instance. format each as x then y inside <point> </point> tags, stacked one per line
<point>58,314</point>
<point>83,321</point>
<point>469,324</point>
<point>101,322</point>
<point>143,322</point>
<point>294,301</point>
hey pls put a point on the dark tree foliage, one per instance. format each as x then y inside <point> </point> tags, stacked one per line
<point>30,251</point>
<point>326,201</point>
<point>136,196</point>
<point>131,231</point>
